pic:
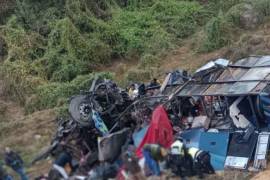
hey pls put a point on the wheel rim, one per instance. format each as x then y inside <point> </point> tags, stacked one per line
<point>85,111</point>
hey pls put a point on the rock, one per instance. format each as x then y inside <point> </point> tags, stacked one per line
<point>37,137</point>
<point>249,17</point>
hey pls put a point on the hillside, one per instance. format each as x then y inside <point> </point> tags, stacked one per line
<point>51,49</point>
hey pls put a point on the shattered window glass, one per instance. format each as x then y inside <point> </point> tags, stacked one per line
<point>235,80</point>
<point>256,74</point>
<point>250,61</point>
<point>260,87</point>
<point>266,89</point>
<point>242,87</point>
<point>216,89</point>
<point>170,89</point>
<point>198,89</point>
<point>186,89</point>
<point>193,89</point>
<point>267,77</point>
<point>263,61</point>
<point>232,74</point>
<point>231,88</point>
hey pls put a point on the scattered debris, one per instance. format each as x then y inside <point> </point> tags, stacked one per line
<point>217,118</point>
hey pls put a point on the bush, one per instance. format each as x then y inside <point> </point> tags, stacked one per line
<point>153,28</point>
<point>56,94</point>
<point>216,6</point>
<point>22,45</point>
<point>217,33</point>
<point>262,7</point>
<point>69,53</point>
<point>150,64</point>
<point>180,18</point>
<point>18,83</point>
<point>138,33</point>
<point>37,15</point>
<point>137,75</point>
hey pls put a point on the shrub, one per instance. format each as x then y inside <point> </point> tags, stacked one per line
<point>138,33</point>
<point>22,45</point>
<point>69,53</point>
<point>137,75</point>
<point>56,94</point>
<point>215,6</point>
<point>217,33</point>
<point>180,18</point>
<point>37,15</point>
<point>262,7</point>
<point>18,81</point>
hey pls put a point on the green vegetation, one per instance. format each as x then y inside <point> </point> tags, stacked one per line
<point>54,47</point>
<point>216,34</point>
<point>233,16</point>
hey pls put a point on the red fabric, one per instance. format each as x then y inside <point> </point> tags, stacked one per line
<point>159,132</point>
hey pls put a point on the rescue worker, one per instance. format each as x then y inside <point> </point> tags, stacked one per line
<point>156,151</point>
<point>13,160</point>
<point>178,161</point>
<point>153,154</point>
<point>193,159</point>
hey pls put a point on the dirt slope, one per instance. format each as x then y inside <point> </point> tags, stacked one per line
<point>27,134</point>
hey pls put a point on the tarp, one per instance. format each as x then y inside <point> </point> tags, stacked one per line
<point>159,132</point>
<point>138,136</point>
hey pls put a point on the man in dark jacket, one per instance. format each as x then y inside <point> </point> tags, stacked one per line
<point>14,161</point>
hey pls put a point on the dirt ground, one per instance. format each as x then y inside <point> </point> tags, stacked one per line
<point>265,175</point>
<point>27,134</point>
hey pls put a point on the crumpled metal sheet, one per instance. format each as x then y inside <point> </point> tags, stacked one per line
<point>240,151</point>
<point>214,143</point>
<point>109,147</point>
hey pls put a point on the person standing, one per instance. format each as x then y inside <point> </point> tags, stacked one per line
<point>13,160</point>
